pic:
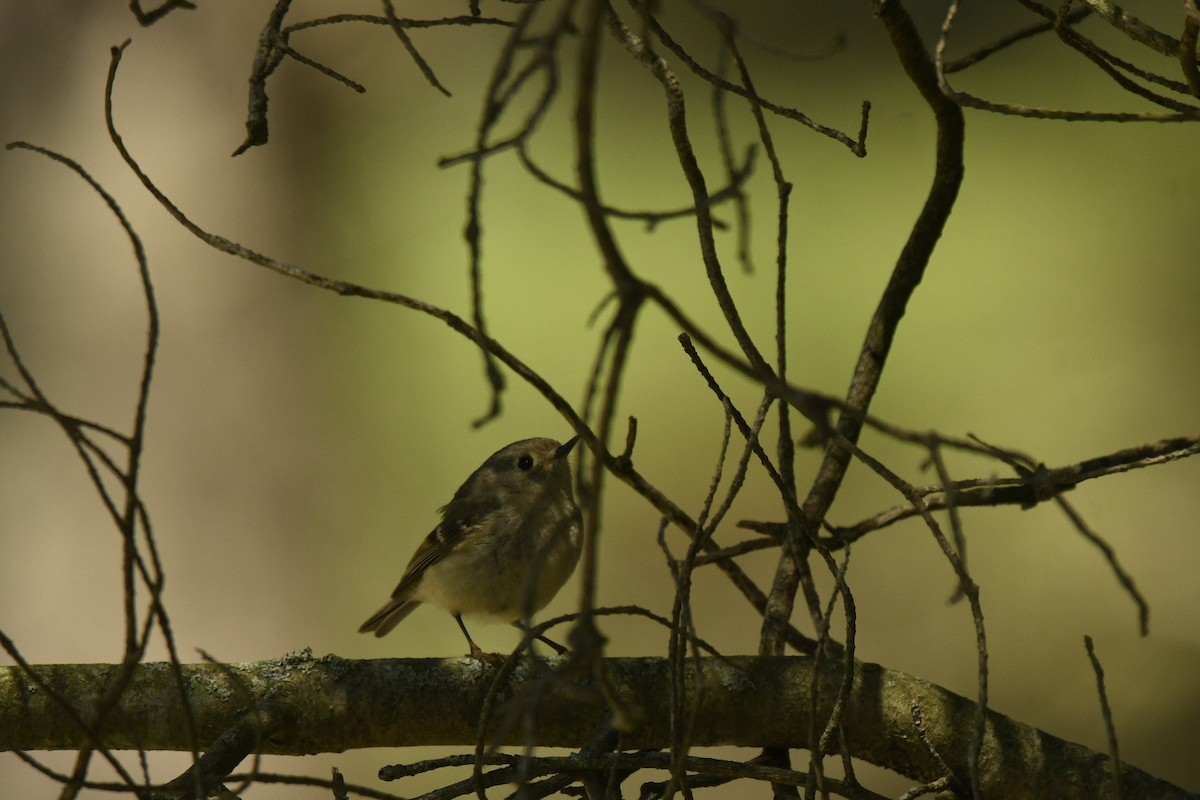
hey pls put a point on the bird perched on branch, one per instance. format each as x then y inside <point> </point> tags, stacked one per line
<point>507,542</point>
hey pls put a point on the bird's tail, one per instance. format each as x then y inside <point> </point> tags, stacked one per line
<point>388,617</point>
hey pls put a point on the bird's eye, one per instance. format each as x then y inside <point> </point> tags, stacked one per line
<point>525,463</point>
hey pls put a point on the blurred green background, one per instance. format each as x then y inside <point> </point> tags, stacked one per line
<point>300,443</point>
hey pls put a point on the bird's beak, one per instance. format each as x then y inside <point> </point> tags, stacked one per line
<point>565,447</point>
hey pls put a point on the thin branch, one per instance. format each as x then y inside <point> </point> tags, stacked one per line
<point>1187,47</point>
<point>856,146</point>
<point>677,123</point>
<point>146,18</point>
<point>1114,753</point>
<point>1110,555</point>
<point>1029,488</point>
<point>472,232</point>
<point>725,146</point>
<point>1107,62</point>
<point>133,515</point>
<point>405,22</point>
<point>1004,42</point>
<point>398,28</point>
<point>267,58</point>
<point>1134,28</point>
<point>273,45</point>
<point>731,191</point>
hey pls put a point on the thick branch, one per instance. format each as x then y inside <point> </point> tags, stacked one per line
<point>339,704</point>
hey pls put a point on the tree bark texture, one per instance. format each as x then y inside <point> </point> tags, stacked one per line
<point>330,704</point>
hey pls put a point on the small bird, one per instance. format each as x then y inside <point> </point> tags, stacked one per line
<point>507,542</point>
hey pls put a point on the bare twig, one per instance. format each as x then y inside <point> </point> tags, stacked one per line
<point>129,514</point>
<point>274,44</point>
<point>146,18</point>
<point>1134,28</point>
<point>1110,728</point>
<point>856,146</point>
<point>738,176</point>
<point>398,28</point>
<point>1004,42</point>
<point>1062,23</point>
<point>1187,47</point>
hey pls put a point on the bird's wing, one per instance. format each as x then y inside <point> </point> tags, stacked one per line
<point>440,542</point>
<point>431,551</point>
<point>460,518</point>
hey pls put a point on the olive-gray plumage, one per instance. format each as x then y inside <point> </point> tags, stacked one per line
<point>507,542</point>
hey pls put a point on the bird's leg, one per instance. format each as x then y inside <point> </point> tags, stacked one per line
<point>476,652</point>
